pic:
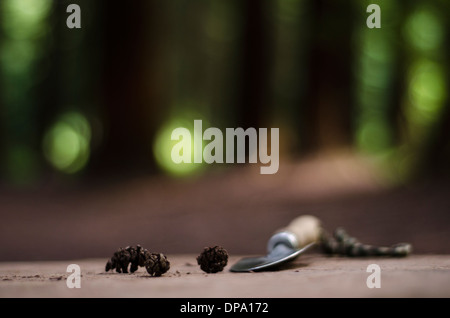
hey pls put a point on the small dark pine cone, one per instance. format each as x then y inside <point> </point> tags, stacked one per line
<point>156,264</point>
<point>138,257</point>
<point>213,259</point>
<point>120,261</point>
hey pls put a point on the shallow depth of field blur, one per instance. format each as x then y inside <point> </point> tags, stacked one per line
<point>86,116</point>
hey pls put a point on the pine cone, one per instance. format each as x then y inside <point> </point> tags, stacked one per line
<point>120,261</point>
<point>213,259</point>
<point>156,264</point>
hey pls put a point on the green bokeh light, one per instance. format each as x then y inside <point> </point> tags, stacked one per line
<point>374,136</point>
<point>427,88</point>
<point>424,30</point>
<point>22,19</point>
<point>67,143</point>
<point>427,95</point>
<point>162,147</point>
<point>373,71</point>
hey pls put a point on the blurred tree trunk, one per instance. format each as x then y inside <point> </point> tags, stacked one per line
<point>131,99</point>
<point>327,112</point>
<point>436,163</point>
<point>255,66</point>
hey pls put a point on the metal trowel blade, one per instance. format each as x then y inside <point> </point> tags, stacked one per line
<point>279,255</point>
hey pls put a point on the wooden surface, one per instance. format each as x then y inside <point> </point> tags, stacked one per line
<point>311,275</point>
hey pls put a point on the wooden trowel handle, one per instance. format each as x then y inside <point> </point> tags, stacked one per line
<point>306,228</point>
<point>302,231</point>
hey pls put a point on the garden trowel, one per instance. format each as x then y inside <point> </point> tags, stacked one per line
<point>284,246</point>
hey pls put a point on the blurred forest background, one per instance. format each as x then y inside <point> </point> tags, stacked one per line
<point>96,105</point>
